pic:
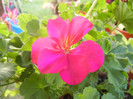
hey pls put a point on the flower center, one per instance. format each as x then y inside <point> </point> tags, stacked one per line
<point>10,14</point>
<point>66,52</point>
<point>66,47</point>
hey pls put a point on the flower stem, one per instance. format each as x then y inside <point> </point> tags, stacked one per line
<point>92,6</point>
<point>7,84</point>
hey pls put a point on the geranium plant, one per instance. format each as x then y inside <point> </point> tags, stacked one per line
<point>69,56</point>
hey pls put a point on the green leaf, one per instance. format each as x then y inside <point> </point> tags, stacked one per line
<point>16,42</point>
<point>27,72</point>
<point>87,5</point>
<point>118,49</point>
<point>67,14</point>
<point>89,37</point>
<point>33,27</point>
<point>98,24</point>
<point>103,3</point>
<point>19,61</point>
<point>130,5</point>
<point>40,95</point>
<point>91,80</point>
<point>3,44</point>
<point>124,61</point>
<point>118,37</point>
<point>62,7</point>
<point>34,87</point>
<point>108,96</point>
<point>114,70</point>
<point>114,90</point>
<point>3,29</point>
<point>12,55</point>
<point>24,59</point>
<point>124,16</point>
<point>130,48</point>
<point>24,36</point>
<point>102,34</point>
<point>102,16</point>
<point>106,46</point>
<point>24,19</point>
<point>128,55</point>
<point>121,11</point>
<point>6,70</point>
<point>93,33</point>
<point>28,44</point>
<point>42,32</point>
<point>130,41</point>
<point>54,78</point>
<point>88,93</point>
<point>123,54</point>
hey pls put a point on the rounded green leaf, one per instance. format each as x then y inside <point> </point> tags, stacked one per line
<point>3,29</point>
<point>23,19</point>
<point>33,27</point>
<point>108,96</point>
<point>34,87</point>
<point>88,93</point>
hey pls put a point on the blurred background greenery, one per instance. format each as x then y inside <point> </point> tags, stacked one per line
<point>40,8</point>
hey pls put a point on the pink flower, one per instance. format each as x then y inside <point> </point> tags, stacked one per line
<point>12,14</point>
<point>2,18</point>
<point>10,3</point>
<point>54,54</point>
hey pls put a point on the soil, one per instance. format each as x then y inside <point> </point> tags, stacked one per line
<point>102,77</point>
<point>67,96</point>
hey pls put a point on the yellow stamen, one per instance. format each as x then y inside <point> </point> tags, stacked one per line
<point>67,41</point>
<point>10,14</point>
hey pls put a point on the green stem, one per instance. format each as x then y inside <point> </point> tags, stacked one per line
<point>92,6</point>
<point>8,83</point>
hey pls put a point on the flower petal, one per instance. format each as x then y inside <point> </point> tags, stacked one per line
<point>77,69</point>
<point>8,9</point>
<point>51,61</point>
<point>58,28</point>
<point>40,44</point>
<point>4,16</point>
<point>94,53</point>
<point>79,26</point>
<point>14,13</point>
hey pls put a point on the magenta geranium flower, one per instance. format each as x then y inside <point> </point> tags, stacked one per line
<point>55,54</point>
<point>109,1</point>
